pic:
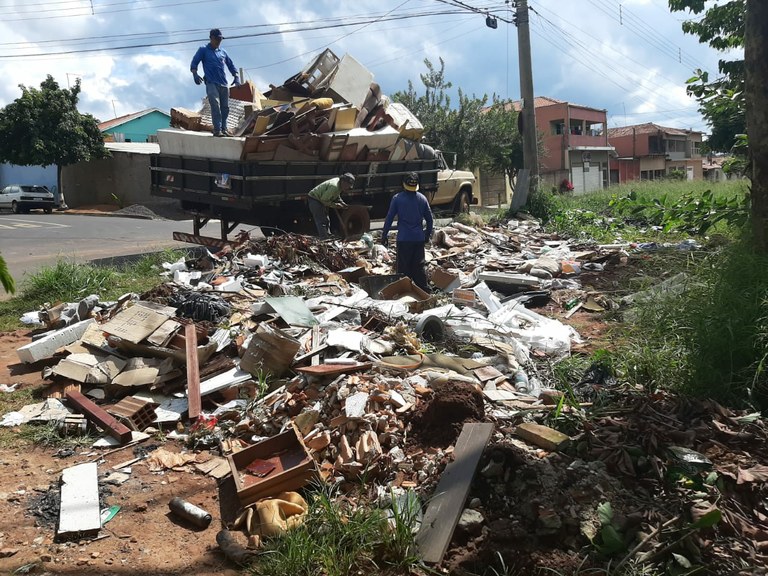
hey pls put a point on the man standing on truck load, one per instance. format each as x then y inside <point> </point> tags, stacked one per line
<point>411,209</point>
<point>328,195</point>
<point>216,88</point>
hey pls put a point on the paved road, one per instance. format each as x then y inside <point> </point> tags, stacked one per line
<point>30,241</point>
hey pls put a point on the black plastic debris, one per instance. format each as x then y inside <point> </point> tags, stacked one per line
<point>201,306</point>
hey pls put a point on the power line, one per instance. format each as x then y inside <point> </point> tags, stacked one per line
<point>230,37</point>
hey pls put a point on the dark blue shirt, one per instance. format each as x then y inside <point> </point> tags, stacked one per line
<point>411,210</point>
<point>213,64</point>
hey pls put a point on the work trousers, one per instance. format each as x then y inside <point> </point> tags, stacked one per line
<point>218,97</point>
<point>410,261</point>
<point>320,215</point>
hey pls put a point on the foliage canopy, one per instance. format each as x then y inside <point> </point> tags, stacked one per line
<point>483,134</point>
<point>43,127</point>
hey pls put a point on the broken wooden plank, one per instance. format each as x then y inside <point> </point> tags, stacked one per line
<point>79,514</point>
<point>193,372</point>
<point>315,344</point>
<point>541,436</point>
<point>447,504</point>
<point>99,416</point>
<point>46,347</point>
<point>334,369</point>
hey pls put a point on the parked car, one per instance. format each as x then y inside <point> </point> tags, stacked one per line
<point>21,199</point>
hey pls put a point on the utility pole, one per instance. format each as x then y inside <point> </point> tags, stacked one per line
<point>530,152</point>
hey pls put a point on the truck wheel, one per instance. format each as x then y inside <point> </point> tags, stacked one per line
<point>462,203</point>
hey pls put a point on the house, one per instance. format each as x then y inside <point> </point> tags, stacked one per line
<point>137,127</point>
<point>650,152</point>
<point>575,142</point>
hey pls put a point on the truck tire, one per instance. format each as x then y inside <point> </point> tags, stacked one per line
<point>462,203</point>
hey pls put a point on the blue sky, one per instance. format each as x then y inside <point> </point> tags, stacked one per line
<point>629,57</point>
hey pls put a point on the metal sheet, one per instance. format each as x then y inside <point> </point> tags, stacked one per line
<point>293,310</point>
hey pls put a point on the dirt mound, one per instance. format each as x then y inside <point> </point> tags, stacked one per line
<point>438,422</point>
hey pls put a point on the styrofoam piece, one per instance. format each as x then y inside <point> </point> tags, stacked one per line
<point>199,145</point>
<point>47,346</point>
<point>79,512</point>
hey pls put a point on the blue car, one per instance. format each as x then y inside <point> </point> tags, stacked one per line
<point>21,199</point>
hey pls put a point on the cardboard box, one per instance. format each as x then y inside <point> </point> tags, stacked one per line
<point>446,281</point>
<point>405,288</point>
<point>282,464</point>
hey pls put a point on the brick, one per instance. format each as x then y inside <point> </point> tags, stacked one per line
<point>542,436</point>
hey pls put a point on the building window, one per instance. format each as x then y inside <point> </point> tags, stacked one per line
<point>676,146</point>
<point>577,128</point>
<point>595,129</point>
<point>655,145</point>
<point>557,127</point>
<point>644,175</point>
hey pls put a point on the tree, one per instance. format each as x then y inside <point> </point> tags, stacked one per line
<point>721,99</point>
<point>43,128</point>
<point>482,135</point>
<point>740,89</point>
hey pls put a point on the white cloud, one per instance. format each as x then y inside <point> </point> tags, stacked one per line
<point>581,52</point>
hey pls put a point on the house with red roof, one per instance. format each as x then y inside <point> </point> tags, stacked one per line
<point>651,152</point>
<point>575,144</point>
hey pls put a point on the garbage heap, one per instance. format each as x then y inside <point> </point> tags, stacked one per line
<point>293,359</point>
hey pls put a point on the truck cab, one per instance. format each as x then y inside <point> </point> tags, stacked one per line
<point>455,188</point>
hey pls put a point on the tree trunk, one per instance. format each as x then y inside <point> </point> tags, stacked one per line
<point>62,202</point>
<point>756,63</point>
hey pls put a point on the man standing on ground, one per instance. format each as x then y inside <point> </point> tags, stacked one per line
<point>411,209</point>
<point>214,59</point>
<point>328,195</point>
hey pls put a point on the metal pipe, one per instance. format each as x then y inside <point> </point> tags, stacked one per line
<point>190,512</point>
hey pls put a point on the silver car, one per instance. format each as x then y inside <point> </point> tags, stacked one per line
<point>21,199</point>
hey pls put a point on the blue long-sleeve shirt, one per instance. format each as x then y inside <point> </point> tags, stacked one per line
<point>411,209</point>
<point>214,60</point>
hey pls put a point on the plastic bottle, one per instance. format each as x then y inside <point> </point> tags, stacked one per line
<point>521,382</point>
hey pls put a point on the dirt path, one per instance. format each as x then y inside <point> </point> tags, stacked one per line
<point>141,539</point>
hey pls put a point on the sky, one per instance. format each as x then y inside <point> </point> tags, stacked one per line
<point>630,58</point>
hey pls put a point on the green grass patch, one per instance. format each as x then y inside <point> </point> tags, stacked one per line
<point>69,281</point>
<point>337,539</point>
<point>710,338</point>
<point>655,206</point>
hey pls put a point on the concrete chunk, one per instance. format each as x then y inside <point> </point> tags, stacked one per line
<point>542,436</point>
<point>47,346</point>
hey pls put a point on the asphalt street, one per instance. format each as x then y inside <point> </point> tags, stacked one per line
<point>30,241</point>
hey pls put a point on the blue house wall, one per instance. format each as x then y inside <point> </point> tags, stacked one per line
<point>139,129</point>
<point>12,174</point>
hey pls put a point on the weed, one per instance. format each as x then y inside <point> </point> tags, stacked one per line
<point>338,539</point>
<point>69,281</point>
<point>709,338</point>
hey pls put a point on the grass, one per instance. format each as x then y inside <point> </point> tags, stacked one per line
<point>69,281</point>
<point>711,340</point>
<point>592,217</point>
<point>337,539</point>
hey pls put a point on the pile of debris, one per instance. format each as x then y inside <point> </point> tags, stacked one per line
<point>295,359</point>
<point>332,110</point>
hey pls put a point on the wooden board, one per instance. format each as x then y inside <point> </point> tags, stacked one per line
<point>447,504</point>
<point>99,416</point>
<point>333,369</point>
<point>193,372</point>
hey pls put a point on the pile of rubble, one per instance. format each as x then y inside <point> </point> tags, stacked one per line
<point>295,359</point>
